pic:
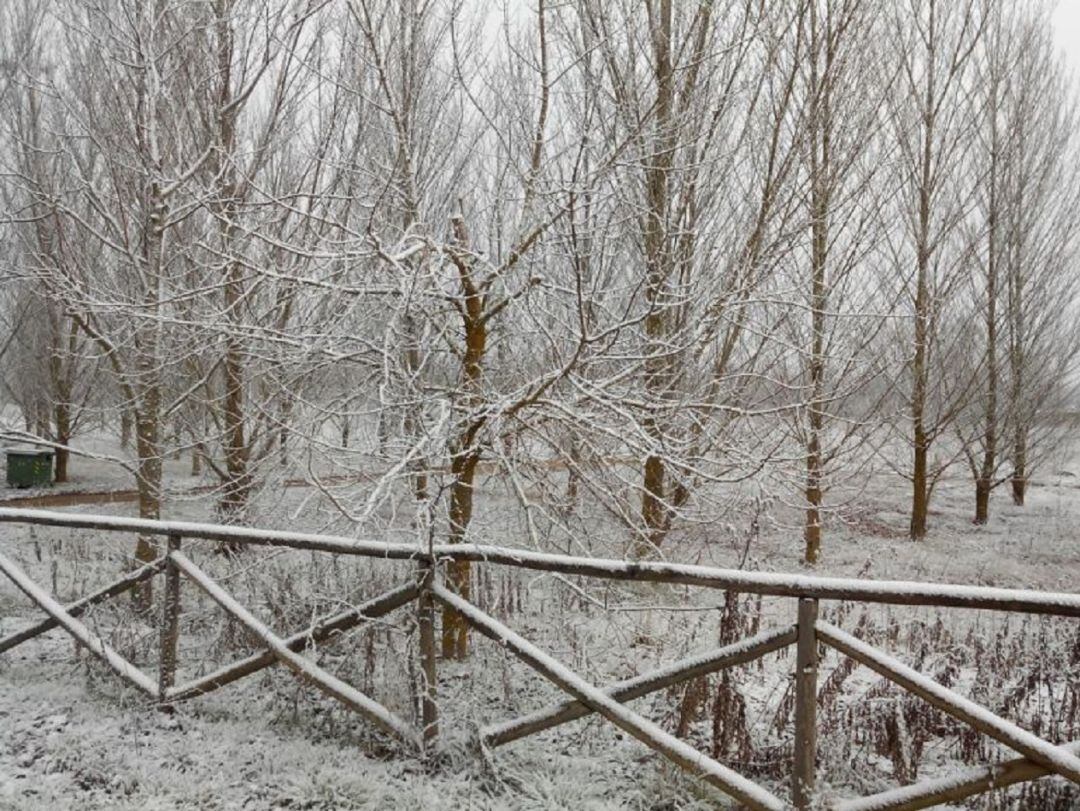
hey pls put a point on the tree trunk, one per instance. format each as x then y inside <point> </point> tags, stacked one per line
<point>226,208</point>
<point>125,428</point>
<point>62,417</point>
<point>920,371</point>
<point>812,531</point>
<point>455,640</point>
<point>983,483</point>
<point>1019,476</point>
<point>382,429</point>
<point>924,248</point>
<point>465,453</point>
<point>62,456</point>
<point>61,375</point>
<point>147,430</point>
<point>145,394</point>
<point>982,500</point>
<point>820,146</point>
<point>1019,489</point>
<point>920,505</point>
<point>655,513</point>
<point>573,476</point>
<point>238,486</point>
<point>653,506</point>
<point>42,427</point>
<point>1017,365</point>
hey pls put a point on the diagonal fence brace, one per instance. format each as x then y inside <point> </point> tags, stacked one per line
<point>646,731</point>
<point>83,635</point>
<point>319,632</point>
<point>79,606</point>
<point>304,668</point>
<point>954,787</point>
<point>741,652</point>
<point>1033,747</point>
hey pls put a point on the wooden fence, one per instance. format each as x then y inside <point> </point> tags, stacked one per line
<point>1036,757</point>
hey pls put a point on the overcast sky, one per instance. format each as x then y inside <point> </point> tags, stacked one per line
<point>1067,28</point>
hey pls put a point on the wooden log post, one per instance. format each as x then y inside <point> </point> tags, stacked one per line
<point>170,620</point>
<point>425,609</point>
<point>806,668</point>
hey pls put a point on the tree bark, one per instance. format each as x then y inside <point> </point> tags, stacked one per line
<point>465,453</point>
<point>147,440</point>
<point>812,530</point>
<point>125,428</point>
<point>982,500</point>
<point>655,512</point>
<point>1017,366</point>
<point>63,439</point>
<point>820,146</point>
<point>455,641</point>
<point>920,506</point>
<point>1019,477</point>
<point>238,484</point>
<point>984,480</point>
<point>146,390</point>
<point>920,364</point>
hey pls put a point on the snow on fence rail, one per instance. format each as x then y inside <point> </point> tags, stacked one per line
<point>1038,757</point>
<point>945,595</point>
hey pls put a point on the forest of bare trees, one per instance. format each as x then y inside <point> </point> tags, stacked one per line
<point>619,254</point>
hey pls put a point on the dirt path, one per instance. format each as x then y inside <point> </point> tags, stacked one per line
<point>71,499</point>
<point>76,498</point>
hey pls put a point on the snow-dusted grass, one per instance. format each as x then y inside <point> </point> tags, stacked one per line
<point>72,737</point>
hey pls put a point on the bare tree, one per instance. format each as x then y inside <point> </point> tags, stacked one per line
<point>932,122</point>
<point>997,64</point>
<point>841,95</point>
<point>106,166</point>
<point>52,371</point>
<point>703,97</point>
<point>1039,232</point>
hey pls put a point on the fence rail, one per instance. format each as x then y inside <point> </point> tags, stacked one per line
<point>1038,757</point>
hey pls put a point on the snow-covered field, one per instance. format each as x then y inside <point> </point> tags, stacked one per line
<point>71,736</point>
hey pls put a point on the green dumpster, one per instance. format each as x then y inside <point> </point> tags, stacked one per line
<point>29,468</point>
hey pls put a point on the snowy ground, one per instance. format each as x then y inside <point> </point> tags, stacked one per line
<point>72,737</point>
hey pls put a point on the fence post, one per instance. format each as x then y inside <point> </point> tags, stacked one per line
<point>425,607</point>
<point>170,620</point>
<point>806,667</point>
